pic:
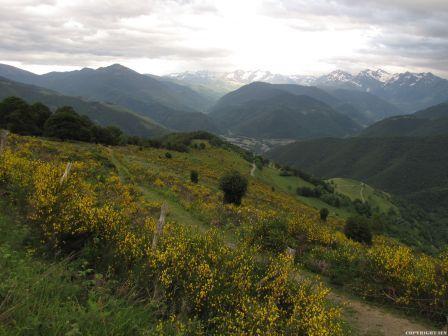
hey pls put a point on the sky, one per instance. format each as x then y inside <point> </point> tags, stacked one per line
<point>307,37</point>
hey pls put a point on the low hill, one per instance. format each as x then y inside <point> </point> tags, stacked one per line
<point>406,166</point>
<point>359,190</point>
<point>262,110</point>
<point>102,113</point>
<point>398,165</point>
<point>429,122</point>
<point>434,112</point>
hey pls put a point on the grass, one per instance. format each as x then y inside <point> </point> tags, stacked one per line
<point>44,297</point>
<point>289,184</point>
<point>359,190</point>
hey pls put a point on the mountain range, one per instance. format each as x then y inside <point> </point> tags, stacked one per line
<point>262,110</point>
<point>407,91</point>
<point>256,104</point>
<point>174,106</point>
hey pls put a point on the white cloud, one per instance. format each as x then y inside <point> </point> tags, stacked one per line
<point>285,36</point>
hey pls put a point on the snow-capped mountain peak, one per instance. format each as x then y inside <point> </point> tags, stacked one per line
<point>339,75</point>
<point>379,75</point>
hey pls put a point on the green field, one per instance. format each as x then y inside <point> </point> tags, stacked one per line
<point>362,191</point>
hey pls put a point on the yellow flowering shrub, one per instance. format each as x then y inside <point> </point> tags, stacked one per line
<point>194,274</point>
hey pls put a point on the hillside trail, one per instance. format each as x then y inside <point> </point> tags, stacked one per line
<point>367,319</point>
<point>362,192</point>
<point>370,320</point>
<point>252,171</point>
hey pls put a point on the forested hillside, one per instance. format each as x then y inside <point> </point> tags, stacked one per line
<point>262,110</point>
<point>105,114</point>
<point>429,122</point>
<point>411,168</point>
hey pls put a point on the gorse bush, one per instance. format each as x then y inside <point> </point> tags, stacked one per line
<point>234,187</point>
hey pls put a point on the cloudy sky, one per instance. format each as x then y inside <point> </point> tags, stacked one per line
<point>283,36</point>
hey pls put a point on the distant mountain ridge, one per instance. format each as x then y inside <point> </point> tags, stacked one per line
<point>274,111</point>
<point>172,105</point>
<point>407,91</point>
<point>102,113</point>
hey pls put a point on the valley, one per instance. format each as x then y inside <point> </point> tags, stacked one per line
<point>342,178</point>
<point>214,168</point>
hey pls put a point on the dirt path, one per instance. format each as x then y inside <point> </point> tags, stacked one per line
<point>252,171</point>
<point>366,318</point>
<point>361,192</point>
<point>370,320</point>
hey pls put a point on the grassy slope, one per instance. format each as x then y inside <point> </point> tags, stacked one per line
<point>42,297</point>
<point>131,162</point>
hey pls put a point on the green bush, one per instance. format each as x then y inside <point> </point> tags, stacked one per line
<point>309,192</point>
<point>324,214</point>
<point>168,155</point>
<point>194,176</point>
<point>234,186</point>
<point>358,229</point>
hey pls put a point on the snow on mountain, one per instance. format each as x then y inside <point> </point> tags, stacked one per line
<point>408,91</point>
<point>379,75</point>
<point>367,80</point>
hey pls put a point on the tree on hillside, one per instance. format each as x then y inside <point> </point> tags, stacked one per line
<point>40,114</point>
<point>110,135</point>
<point>234,186</point>
<point>66,124</point>
<point>18,117</point>
<point>8,106</point>
<point>358,229</point>
<point>194,176</point>
<point>324,214</point>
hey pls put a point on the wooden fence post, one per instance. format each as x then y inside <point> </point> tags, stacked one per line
<point>3,139</point>
<point>157,234</point>
<point>159,228</point>
<point>291,252</point>
<point>66,172</point>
